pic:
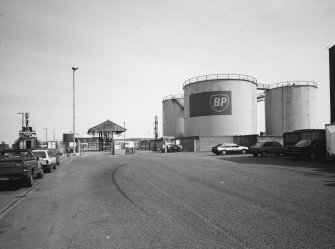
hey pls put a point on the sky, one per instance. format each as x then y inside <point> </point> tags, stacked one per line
<point>132,53</point>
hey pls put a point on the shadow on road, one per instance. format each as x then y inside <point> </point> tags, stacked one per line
<point>9,186</point>
<point>290,162</point>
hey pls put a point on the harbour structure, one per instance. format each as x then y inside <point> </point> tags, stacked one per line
<point>220,105</point>
<point>173,115</point>
<point>290,106</point>
<point>27,136</point>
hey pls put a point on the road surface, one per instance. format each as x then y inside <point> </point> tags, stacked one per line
<point>174,200</point>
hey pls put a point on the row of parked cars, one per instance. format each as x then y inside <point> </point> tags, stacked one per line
<point>311,148</point>
<point>24,165</point>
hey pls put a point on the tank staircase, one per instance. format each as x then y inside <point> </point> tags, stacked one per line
<point>178,103</point>
<point>260,96</point>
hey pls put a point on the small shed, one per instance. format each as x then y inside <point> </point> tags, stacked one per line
<point>105,131</point>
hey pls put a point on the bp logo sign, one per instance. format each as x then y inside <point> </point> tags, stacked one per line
<point>219,102</point>
<point>211,103</point>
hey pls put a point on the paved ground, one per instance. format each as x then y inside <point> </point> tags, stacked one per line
<point>174,200</point>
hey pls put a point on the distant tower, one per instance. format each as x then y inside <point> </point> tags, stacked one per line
<point>156,128</point>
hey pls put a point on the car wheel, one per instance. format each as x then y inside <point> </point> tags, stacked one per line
<point>223,152</point>
<point>255,154</point>
<point>40,174</point>
<point>30,180</point>
<point>264,153</point>
<point>244,151</point>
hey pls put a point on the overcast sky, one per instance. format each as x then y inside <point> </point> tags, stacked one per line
<point>132,53</point>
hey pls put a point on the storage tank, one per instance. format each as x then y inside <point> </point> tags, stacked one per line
<point>290,106</point>
<point>173,115</point>
<point>220,105</point>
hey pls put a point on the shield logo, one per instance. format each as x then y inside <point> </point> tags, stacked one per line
<point>219,102</point>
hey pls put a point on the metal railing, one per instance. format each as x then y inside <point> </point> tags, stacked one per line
<point>293,83</point>
<point>263,86</point>
<point>175,96</point>
<point>220,77</point>
<point>286,83</point>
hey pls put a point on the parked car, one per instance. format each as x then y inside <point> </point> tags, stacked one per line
<point>170,147</point>
<point>265,148</point>
<point>229,148</point>
<point>311,148</point>
<point>47,159</point>
<point>174,147</point>
<point>20,164</point>
<point>56,153</point>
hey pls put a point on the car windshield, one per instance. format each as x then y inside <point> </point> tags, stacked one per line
<point>218,145</point>
<point>12,155</point>
<point>303,143</point>
<point>40,154</point>
<point>259,144</point>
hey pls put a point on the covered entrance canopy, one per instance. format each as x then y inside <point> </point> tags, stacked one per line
<point>105,131</point>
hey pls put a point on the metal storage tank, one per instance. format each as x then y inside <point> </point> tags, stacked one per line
<point>290,106</point>
<point>220,105</point>
<point>173,115</point>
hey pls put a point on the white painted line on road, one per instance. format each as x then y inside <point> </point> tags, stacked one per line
<point>10,206</point>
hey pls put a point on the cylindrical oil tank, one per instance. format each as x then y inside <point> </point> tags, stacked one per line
<point>290,106</point>
<point>220,105</point>
<point>173,115</point>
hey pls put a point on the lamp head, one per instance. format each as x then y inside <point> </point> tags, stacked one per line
<point>74,68</point>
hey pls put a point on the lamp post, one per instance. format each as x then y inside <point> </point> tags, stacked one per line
<point>74,118</point>
<point>124,136</point>
<point>46,136</point>
<point>22,113</point>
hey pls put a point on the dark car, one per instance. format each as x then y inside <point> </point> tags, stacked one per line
<point>174,147</point>
<point>265,148</point>
<point>310,148</point>
<point>20,164</point>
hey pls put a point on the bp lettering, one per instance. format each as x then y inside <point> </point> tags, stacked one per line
<point>210,103</point>
<point>219,102</point>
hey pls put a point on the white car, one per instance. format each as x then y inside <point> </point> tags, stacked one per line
<point>229,148</point>
<point>47,159</point>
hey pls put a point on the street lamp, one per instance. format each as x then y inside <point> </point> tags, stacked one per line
<point>46,135</point>
<point>74,119</point>
<point>22,113</point>
<point>124,137</point>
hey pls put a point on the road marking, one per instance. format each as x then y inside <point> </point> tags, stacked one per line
<point>18,199</point>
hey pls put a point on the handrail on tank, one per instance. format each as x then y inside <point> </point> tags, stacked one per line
<point>174,96</point>
<point>263,86</point>
<point>220,77</point>
<point>293,83</point>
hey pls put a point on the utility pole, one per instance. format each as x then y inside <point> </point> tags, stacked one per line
<point>124,137</point>
<point>46,136</point>
<point>22,118</point>
<point>74,113</point>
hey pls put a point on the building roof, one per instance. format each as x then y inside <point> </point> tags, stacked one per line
<point>105,127</point>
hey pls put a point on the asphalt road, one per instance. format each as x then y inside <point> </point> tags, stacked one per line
<point>174,200</point>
